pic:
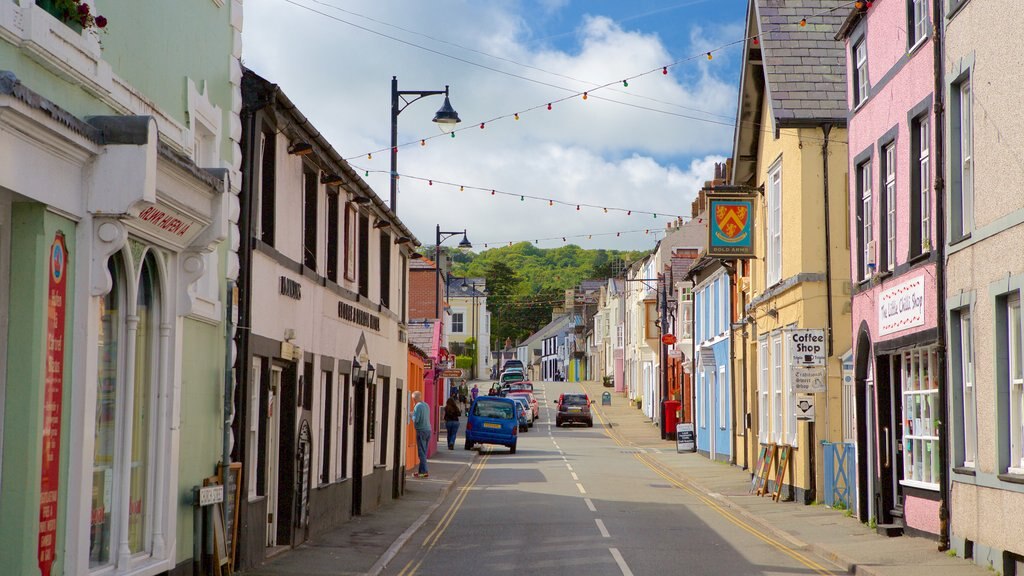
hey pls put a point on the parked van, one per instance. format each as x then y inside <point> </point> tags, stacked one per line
<point>493,420</point>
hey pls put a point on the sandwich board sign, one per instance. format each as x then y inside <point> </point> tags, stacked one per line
<point>685,437</point>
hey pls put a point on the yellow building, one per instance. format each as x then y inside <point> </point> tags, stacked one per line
<point>793,298</point>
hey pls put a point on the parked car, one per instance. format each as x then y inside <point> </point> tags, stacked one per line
<point>514,363</point>
<point>509,377</point>
<point>493,420</point>
<point>574,408</point>
<point>520,387</point>
<point>526,412</point>
<point>534,405</point>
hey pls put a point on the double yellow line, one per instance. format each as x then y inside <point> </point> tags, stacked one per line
<point>435,535</point>
<point>663,471</point>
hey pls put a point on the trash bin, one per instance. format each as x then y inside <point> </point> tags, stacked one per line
<point>671,408</point>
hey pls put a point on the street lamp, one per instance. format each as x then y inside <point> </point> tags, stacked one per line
<point>446,119</point>
<point>464,245</point>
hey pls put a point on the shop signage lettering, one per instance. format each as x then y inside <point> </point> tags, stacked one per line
<point>901,307</point>
<point>164,221</point>
<point>290,288</point>
<point>53,393</point>
<point>361,317</point>
<point>805,351</point>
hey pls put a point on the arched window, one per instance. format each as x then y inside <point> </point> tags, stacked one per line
<point>127,381</point>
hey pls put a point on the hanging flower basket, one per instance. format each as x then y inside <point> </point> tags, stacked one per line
<point>75,13</point>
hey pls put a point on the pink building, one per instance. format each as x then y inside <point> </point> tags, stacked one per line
<point>896,258</point>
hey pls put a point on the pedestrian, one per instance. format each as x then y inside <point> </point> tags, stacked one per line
<point>421,421</point>
<point>463,395</point>
<point>474,392</point>
<point>451,420</point>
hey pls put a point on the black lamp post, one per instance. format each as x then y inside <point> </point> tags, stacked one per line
<point>446,118</point>
<point>441,237</point>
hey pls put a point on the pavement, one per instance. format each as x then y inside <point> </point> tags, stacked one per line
<point>367,544</point>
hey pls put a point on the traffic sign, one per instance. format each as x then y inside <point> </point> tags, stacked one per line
<point>453,373</point>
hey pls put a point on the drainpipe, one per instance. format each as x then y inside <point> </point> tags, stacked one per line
<point>940,272</point>
<point>732,361</point>
<point>826,129</point>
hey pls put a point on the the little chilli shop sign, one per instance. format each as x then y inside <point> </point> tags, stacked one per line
<point>53,392</point>
<point>901,306</point>
<point>731,227</point>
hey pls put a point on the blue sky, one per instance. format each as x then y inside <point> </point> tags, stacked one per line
<point>648,151</point>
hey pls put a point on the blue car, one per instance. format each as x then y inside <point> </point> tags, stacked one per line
<point>493,420</point>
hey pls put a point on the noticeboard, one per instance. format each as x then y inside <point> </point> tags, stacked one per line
<point>685,438</point>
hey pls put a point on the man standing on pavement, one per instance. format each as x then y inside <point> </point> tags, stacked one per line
<point>421,421</point>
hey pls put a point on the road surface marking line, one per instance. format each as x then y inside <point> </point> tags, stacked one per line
<point>442,525</point>
<point>569,466</point>
<point>590,504</point>
<point>602,529</point>
<point>580,486</point>
<point>657,469</point>
<point>622,563</point>
<point>574,476</point>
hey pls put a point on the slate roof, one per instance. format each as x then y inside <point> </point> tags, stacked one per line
<point>421,334</point>
<point>805,65</point>
<point>466,287</point>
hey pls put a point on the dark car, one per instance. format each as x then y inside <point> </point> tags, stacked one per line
<point>574,408</point>
<point>493,420</point>
<point>513,363</point>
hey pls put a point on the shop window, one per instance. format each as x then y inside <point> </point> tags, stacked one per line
<point>341,426</point>
<point>124,414</point>
<point>921,416</point>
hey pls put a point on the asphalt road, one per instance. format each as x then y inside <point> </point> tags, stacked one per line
<point>574,500</point>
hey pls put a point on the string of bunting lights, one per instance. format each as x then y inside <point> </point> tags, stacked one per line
<point>566,237</point>
<point>709,55</point>
<point>523,197</point>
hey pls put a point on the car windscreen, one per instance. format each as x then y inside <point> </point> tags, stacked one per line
<point>574,400</point>
<point>514,377</point>
<point>501,410</point>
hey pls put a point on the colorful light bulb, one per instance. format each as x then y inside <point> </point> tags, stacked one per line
<point>584,95</point>
<point>549,105</point>
<point>664,69</point>
<point>481,125</point>
<point>625,84</point>
<point>756,41</point>
<point>709,55</point>
<point>803,22</point>
<point>517,115</point>
<point>369,156</point>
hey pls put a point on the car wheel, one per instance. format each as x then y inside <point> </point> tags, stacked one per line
<point>512,449</point>
<point>590,424</point>
<point>469,445</point>
<point>558,423</point>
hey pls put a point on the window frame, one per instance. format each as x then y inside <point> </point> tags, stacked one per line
<point>773,253</point>
<point>963,158</point>
<point>764,386</point>
<point>458,322</point>
<point>722,392</point>
<point>861,88</point>
<point>917,23</point>
<point>349,250</point>
<point>310,223</point>
<point>778,392</point>
<point>889,163</point>
<point>920,181</point>
<point>968,391</point>
<point>867,216</point>
<point>919,405</point>
<point>1015,381</point>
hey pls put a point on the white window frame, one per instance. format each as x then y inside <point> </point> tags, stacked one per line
<point>722,403</point>
<point>778,392</point>
<point>860,52</point>
<point>763,386</point>
<point>255,418</point>
<point>920,413</point>
<point>458,322</point>
<point>966,144</point>
<point>702,416</point>
<point>890,206</point>
<point>919,22</point>
<point>867,219</point>
<point>773,255</point>
<point>1015,381</point>
<point>968,392</point>
<point>620,335</point>
<point>924,172</point>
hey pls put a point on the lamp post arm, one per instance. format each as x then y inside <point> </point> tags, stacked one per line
<point>399,103</point>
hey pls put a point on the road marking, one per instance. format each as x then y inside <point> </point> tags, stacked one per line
<point>580,486</point>
<point>590,504</point>
<point>602,529</point>
<point>569,466</point>
<point>622,563</point>
<point>574,476</point>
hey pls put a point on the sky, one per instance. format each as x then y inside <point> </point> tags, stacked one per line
<point>645,147</point>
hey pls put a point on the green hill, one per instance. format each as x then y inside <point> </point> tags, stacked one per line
<point>525,283</point>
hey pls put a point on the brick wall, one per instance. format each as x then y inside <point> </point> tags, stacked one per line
<point>422,291</point>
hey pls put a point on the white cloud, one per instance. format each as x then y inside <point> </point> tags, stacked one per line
<point>591,151</point>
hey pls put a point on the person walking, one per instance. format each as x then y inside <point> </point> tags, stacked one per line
<point>474,392</point>
<point>452,413</point>
<point>464,395</point>
<point>421,421</point>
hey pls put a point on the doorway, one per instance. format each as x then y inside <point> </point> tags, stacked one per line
<point>397,486</point>
<point>273,453</point>
<point>358,446</point>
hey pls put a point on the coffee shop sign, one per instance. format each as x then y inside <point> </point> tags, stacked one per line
<point>901,307</point>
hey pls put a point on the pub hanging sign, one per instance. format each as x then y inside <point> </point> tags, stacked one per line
<point>731,226</point>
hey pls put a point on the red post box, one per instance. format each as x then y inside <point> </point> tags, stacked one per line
<point>671,408</point>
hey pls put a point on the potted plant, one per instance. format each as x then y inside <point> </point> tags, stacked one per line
<point>75,13</point>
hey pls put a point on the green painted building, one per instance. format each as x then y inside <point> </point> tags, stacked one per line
<point>119,170</point>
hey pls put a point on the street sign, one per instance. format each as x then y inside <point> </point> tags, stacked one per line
<point>453,373</point>
<point>668,339</point>
<point>685,440</point>
<point>805,407</point>
<point>808,378</point>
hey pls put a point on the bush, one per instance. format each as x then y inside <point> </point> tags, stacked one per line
<point>464,362</point>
